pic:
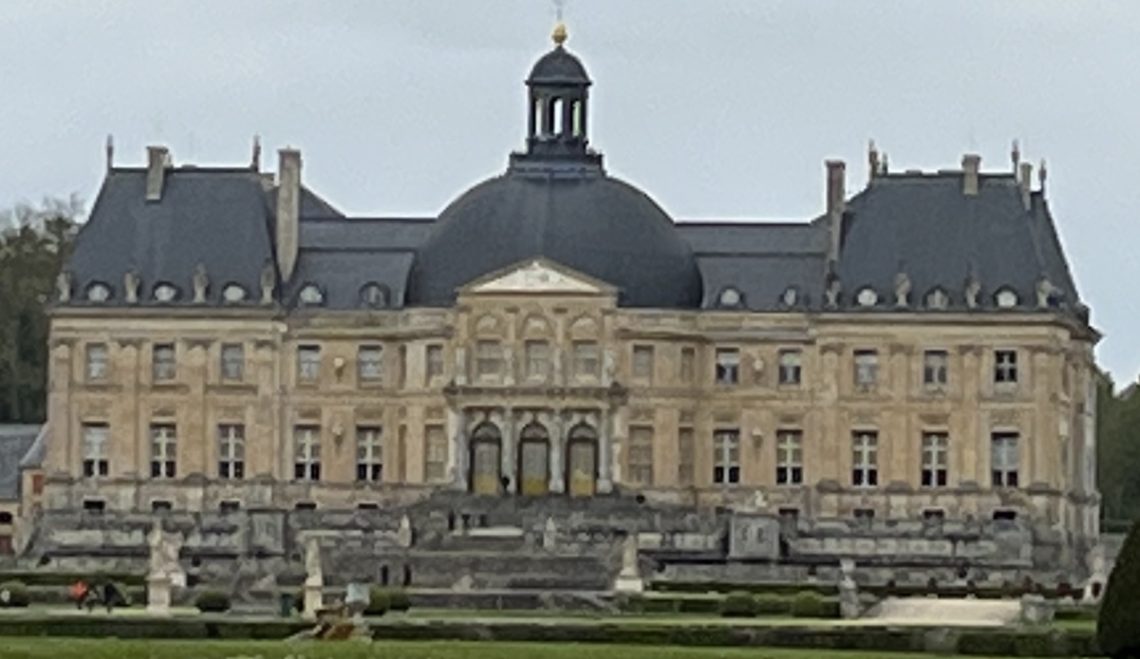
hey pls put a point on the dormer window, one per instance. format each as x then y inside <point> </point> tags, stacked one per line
<point>730,298</point>
<point>98,292</point>
<point>790,297</point>
<point>937,299</point>
<point>867,297</point>
<point>1006,298</point>
<point>311,295</point>
<point>165,292</point>
<point>233,293</point>
<point>374,296</point>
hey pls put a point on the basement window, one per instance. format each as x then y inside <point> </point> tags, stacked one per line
<point>94,505</point>
<point>229,506</point>
<point>5,518</point>
<point>1005,516</point>
<point>305,505</point>
<point>160,506</point>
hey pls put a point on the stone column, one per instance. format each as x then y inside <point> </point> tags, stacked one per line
<point>457,457</point>
<point>557,450</point>
<point>64,452</point>
<point>970,447</point>
<point>509,448</point>
<point>605,452</point>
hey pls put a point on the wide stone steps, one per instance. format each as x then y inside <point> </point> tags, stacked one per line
<point>953,612</point>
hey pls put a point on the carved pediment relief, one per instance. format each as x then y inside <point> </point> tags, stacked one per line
<point>538,276</point>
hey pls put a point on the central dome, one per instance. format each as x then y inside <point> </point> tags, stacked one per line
<point>597,225</point>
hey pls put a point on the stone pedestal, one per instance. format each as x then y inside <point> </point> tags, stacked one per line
<point>314,599</point>
<point>849,607</point>
<point>629,579</point>
<point>1036,610</point>
<point>158,595</point>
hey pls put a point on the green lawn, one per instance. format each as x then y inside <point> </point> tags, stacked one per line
<point>57,648</point>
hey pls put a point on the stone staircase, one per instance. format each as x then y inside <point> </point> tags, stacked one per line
<point>945,612</point>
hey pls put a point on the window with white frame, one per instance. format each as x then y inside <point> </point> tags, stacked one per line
<point>865,458</point>
<point>233,361</point>
<point>686,456</point>
<point>308,363</point>
<point>231,451</point>
<point>96,437</point>
<point>790,367</point>
<point>537,355</point>
<point>163,362</point>
<point>488,359</point>
<point>369,453</point>
<point>726,456</point>
<point>1004,459</point>
<point>435,457</point>
<point>163,450</point>
<point>96,361</point>
<point>727,369</point>
<point>307,453</point>
<point>640,458</point>
<point>687,367</point>
<point>370,364</point>
<point>935,368</point>
<point>587,360</point>
<point>1005,367</point>
<point>935,458</point>
<point>434,360</point>
<point>643,363</point>
<point>866,368</point>
<point>789,457</point>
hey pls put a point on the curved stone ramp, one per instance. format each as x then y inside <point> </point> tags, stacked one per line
<point>945,612</point>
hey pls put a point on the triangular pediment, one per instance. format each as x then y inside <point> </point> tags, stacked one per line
<point>538,276</point>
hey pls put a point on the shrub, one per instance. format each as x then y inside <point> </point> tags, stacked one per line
<point>212,601</point>
<point>738,605</point>
<point>398,600</point>
<point>14,594</point>
<point>378,602</point>
<point>1118,625</point>
<point>772,605</point>
<point>808,605</point>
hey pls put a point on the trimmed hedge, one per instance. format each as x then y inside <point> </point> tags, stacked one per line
<point>14,594</point>
<point>69,578</point>
<point>398,600</point>
<point>773,605</point>
<point>379,602</point>
<point>738,605</point>
<point>1118,626</point>
<point>951,591</point>
<point>212,601</point>
<point>808,605</point>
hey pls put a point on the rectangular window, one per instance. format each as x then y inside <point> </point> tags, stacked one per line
<point>1004,459</point>
<point>790,367</point>
<point>307,453</point>
<point>864,514</point>
<point>687,368</point>
<point>233,361</point>
<point>488,359</point>
<point>726,456</point>
<point>865,458</point>
<point>537,360</point>
<point>935,451</point>
<point>934,514</point>
<point>789,457</point>
<point>94,505</point>
<point>96,436</point>
<point>1005,367</point>
<point>727,366</point>
<point>435,467</point>
<point>231,451</point>
<point>163,450</point>
<point>163,364</point>
<point>160,506</point>
<point>308,363</point>
<point>640,460</point>
<point>434,360</point>
<point>369,453</point>
<point>370,364</point>
<point>587,362</point>
<point>96,362</point>
<point>229,506</point>
<point>935,368</point>
<point>643,363</point>
<point>686,456</point>
<point>866,368</point>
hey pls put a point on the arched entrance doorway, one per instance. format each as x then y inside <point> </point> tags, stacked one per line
<point>534,460</point>
<point>582,461</point>
<point>486,447</point>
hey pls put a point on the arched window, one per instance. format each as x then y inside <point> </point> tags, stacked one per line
<point>311,295</point>
<point>577,119</point>
<point>937,299</point>
<point>374,296</point>
<point>233,293</point>
<point>1006,298</point>
<point>867,297</point>
<point>730,298</point>
<point>98,292</point>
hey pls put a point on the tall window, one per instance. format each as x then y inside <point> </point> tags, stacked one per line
<point>790,367</point>
<point>727,366</point>
<point>1005,367</point>
<point>95,440</point>
<point>231,451</point>
<point>643,363</point>
<point>935,451</point>
<point>96,361</point>
<point>308,363</point>
<point>686,456</point>
<point>789,457</point>
<point>435,467</point>
<point>369,453</point>
<point>233,361</point>
<point>163,364</point>
<point>866,368</point>
<point>307,453</point>
<point>935,368</point>
<point>726,456</point>
<point>1004,459</point>
<point>687,366</point>
<point>587,362</point>
<point>370,364</point>
<point>163,450</point>
<point>640,455</point>
<point>865,458</point>
<point>537,360</point>
<point>488,359</point>
<point>434,359</point>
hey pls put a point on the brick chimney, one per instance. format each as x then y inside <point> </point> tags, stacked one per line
<point>288,210</point>
<point>971,163</point>
<point>1026,184</point>
<point>836,205</point>
<point>157,160</point>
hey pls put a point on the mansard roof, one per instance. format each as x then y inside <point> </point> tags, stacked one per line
<point>15,442</point>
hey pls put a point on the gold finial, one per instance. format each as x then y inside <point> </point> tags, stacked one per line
<point>559,36</point>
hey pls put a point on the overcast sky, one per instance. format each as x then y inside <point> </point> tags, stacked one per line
<point>718,108</point>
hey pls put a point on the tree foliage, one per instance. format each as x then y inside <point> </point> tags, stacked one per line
<point>1118,451</point>
<point>34,242</point>
<point>1118,625</point>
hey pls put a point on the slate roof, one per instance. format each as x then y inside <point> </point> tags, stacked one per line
<point>558,67</point>
<point>15,441</point>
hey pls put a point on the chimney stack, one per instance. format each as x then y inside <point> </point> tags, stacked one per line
<point>872,161</point>
<point>836,205</point>
<point>110,151</point>
<point>1015,155</point>
<point>255,157</point>
<point>971,163</point>
<point>288,210</point>
<point>1026,183</point>
<point>157,160</point>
